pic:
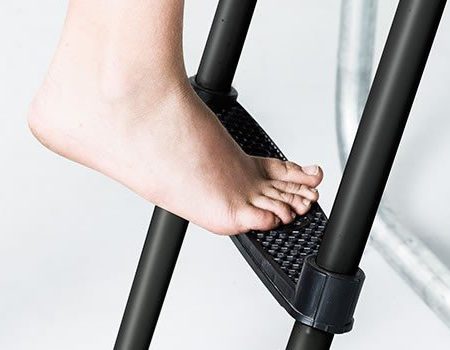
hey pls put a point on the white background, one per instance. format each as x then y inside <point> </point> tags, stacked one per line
<point>70,238</point>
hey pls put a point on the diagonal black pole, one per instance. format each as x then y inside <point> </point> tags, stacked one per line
<point>162,245</point>
<point>224,46</point>
<point>383,122</point>
<point>167,231</point>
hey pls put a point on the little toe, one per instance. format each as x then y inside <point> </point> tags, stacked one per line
<point>276,206</point>
<point>254,218</point>
<point>291,172</point>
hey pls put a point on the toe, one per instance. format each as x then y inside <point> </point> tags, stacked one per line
<point>311,194</point>
<point>299,204</point>
<point>276,169</point>
<point>276,206</point>
<point>253,218</point>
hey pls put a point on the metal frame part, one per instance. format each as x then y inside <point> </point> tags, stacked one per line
<point>159,256</point>
<point>401,248</point>
<point>377,139</point>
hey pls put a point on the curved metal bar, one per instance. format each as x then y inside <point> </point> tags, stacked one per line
<point>403,250</point>
<point>354,72</point>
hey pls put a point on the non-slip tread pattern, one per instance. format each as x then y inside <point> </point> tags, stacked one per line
<point>288,245</point>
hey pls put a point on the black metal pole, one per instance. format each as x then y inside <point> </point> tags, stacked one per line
<point>163,243</point>
<point>167,231</point>
<point>387,109</point>
<point>379,134</point>
<point>304,337</point>
<point>224,46</point>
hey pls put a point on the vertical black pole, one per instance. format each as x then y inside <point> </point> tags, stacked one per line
<point>377,140</point>
<point>224,46</point>
<point>163,243</point>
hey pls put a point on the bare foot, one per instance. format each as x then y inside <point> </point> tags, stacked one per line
<point>141,123</point>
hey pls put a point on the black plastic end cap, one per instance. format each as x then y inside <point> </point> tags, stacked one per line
<point>326,300</point>
<point>209,96</point>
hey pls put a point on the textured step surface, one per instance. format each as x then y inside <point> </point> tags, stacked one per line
<point>276,256</point>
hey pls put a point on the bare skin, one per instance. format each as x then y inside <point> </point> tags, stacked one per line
<point>117,99</point>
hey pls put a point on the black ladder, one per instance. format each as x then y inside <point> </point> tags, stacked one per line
<point>311,265</point>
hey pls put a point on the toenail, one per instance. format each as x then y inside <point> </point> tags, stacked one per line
<point>311,169</point>
<point>306,202</point>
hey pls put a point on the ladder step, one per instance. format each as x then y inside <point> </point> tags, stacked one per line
<point>276,256</point>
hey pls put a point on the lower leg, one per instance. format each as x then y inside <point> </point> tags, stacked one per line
<point>117,99</point>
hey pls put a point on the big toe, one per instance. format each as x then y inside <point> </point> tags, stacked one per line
<point>276,169</point>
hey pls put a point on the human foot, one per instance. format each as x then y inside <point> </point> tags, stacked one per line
<point>155,136</point>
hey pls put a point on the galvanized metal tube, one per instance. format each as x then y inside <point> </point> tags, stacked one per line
<point>354,70</point>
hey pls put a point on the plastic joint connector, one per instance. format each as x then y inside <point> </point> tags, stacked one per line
<point>327,300</point>
<point>209,96</point>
